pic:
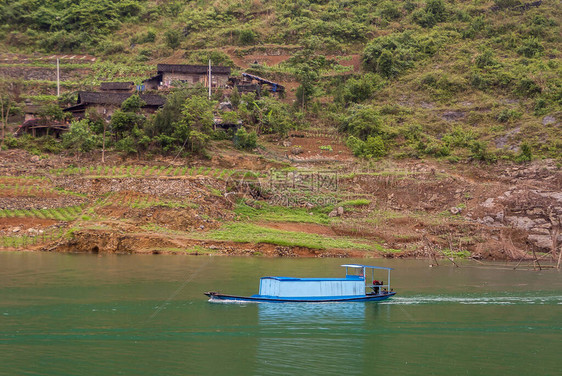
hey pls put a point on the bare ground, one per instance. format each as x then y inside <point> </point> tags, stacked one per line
<point>417,208</point>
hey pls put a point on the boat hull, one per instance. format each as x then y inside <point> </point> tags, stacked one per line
<point>216,297</point>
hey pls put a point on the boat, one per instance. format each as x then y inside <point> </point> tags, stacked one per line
<point>355,287</point>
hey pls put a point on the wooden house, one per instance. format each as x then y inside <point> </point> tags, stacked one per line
<point>118,87</point>
<point>252,83</point>
<point>168,74</point>
<point>38,127</point>
<point>105,103</point>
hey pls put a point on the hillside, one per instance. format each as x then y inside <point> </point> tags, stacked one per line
<point>449,79</point>
<point>427,110</point>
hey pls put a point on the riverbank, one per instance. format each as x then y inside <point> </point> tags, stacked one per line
<point>271,207</point>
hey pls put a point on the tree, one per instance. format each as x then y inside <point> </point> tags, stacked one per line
<point>198,113</point>
<point>235,98</point>
<point>245,140</point>
<point>52,112</point>
<point>80,137</point>
<point>123,121</point>
<point>8,94</point>
<point>5,104</point>
<point>132,104</point>
<point>307,76</point>
<point>166,119</point>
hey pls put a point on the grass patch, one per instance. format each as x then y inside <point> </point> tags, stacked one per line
<point>199,250</point>
<point>358,202</point>
<point>282,214</point>
<point>456,254</point>
<point>251,233</point>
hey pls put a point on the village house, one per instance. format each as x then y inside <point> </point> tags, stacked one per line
<point>168,74</point>
<point>252,83</point>
<point>118,87</point>
<point>36,125</point>
<point>106,103</point>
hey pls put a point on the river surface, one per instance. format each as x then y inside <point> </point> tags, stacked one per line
<point>66,314</point>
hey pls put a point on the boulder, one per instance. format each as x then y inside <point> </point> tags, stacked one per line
<point>488,203</point>
<point>541,241</point>
<point>455,210</point>
<point>523,223</point>
<point>548,120</point>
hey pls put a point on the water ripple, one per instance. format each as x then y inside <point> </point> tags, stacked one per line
<point>475,299</point>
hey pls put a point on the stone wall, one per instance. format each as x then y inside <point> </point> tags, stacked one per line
<point>169,78</point>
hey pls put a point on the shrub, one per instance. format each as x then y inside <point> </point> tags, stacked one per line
<point>245,140</point>
<point>527,87</point>
<point>172,38</point>
<point>389,11</point>
<point>148,37</point>
<point>458,137</point>
<point>485,59</point>
<point>507,115</point>
<point>530,48</point>
<point>356,90</point>
<point>526,153</point>
<point>362,122</point>
<point>435,148</point>
<point>247,36</point>
<point>478,81</point>
<point>433,13</point>
<point>112,48</point>
<point>479,150</point>
<point>62,41</point>
<point>385,64</point>
<point>123,122</point>
<point>373,147</point>
<point>404,48</point>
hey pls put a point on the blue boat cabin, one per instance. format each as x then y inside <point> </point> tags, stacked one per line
<point>354,284</point>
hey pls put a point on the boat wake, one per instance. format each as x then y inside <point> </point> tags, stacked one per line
<point>223,301</point>
<point>475,299</point>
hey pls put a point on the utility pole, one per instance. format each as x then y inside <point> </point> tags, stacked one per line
<point>210,78</point>
<point>58,78</point>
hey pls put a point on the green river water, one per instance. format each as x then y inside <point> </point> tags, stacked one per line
<point>66,314</point>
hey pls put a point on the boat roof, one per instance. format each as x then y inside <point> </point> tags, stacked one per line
<point>365,266</point>
<point>293,279</point>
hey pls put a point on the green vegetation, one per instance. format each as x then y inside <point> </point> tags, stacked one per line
<point>459,254</point>
<point>19,241</point>
<point>273,213</point>
<point>250,233</point>
<point>357,202</point>
<point>60,214</point>
<point>472,80</point>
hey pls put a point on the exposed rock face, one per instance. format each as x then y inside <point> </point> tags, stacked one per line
<point>537,210</point>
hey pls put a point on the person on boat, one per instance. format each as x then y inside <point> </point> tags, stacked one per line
<point>376,285</point>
